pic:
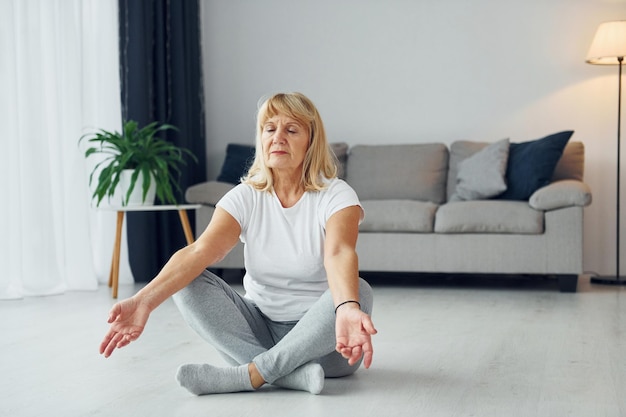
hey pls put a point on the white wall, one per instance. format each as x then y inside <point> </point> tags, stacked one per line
<point>401,71</point>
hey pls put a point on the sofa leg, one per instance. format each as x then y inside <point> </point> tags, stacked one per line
<point>568,283</point>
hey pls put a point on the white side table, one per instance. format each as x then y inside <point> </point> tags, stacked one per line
<point>121,210</point>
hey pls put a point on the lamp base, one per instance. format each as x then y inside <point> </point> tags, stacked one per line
<point>608,280</point>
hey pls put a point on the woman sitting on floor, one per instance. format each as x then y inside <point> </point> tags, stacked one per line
<point>306,313</point>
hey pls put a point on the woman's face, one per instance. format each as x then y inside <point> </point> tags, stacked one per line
<point>285,142</point>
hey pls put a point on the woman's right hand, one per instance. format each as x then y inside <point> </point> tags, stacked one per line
<point>354,330</point>
<point>128,319</point>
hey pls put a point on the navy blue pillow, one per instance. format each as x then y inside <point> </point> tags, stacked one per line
<point>238,160</point>
<point>531,164</point>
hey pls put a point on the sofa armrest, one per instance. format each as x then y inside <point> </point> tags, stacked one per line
<point>208,193</point>
<point>559,194</point>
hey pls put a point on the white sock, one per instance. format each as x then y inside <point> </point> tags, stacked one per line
<point>309,377</point>
<point>200,379</point>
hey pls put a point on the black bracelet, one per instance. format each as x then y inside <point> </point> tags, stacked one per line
<point>346,302</point>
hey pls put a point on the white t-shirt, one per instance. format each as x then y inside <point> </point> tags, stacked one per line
<point>284,247</point>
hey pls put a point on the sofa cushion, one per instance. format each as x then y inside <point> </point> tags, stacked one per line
<point>488,216</point>
<point>481,175</point>
<point>413,172</point>
<point>236,163</point>
<point>531,165</point>
<point>398,216</point>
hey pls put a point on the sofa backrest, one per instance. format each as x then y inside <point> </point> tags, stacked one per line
<point>411,171</point>
<point>570,166</point>
<point>340,149</point>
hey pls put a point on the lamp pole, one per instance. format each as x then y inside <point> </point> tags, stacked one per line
<point>609,48</point>
<point>618,277</point>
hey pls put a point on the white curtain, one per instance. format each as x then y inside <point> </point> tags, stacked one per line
<point>59,79</point>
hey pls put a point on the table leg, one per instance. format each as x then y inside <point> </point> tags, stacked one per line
<point>114,277</point>
<point>184,220</point>
<point>112,266</point>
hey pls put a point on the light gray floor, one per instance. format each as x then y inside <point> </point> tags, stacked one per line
<point>478,349</point>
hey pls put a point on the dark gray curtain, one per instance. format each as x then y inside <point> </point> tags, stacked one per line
<point>160,71</point>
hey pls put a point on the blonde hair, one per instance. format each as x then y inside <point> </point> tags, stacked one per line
<point>319,162</point>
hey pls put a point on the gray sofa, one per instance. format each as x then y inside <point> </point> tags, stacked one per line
<point>416,222</point>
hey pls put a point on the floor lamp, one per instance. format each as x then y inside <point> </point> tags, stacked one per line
<point>609,48</point>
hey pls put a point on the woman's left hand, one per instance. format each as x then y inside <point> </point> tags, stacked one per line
<point>354,330</point>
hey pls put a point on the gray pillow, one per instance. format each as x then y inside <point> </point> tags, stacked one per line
<point>482,175</point>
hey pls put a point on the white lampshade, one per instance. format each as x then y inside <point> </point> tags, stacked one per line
<point>609,44</point>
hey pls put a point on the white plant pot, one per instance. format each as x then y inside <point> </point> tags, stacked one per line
<point>137,193</point>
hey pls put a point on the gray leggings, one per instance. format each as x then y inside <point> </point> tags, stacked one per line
<point>242,334</point>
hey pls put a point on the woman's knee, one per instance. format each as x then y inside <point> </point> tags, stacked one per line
<point>196,290</point>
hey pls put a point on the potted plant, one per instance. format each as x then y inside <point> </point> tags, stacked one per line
<point>139,153</point>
